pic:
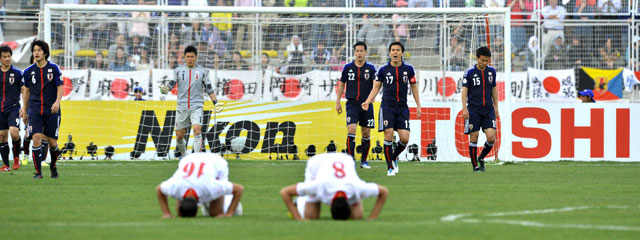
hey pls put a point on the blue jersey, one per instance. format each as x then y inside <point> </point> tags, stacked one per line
<point>358,80</point>
<point>395,81</point>
<point>43,87</point>
<point>11,88</point>
<point>479,85</point>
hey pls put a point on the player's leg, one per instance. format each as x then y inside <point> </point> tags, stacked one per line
<point>402,125</point>
<point>402,145</point>
<point>312,210</point>
<point>35,129</point>
<point>14,130</point>
<point>26,145</point>
<point>385,121</point>
<point>15,138</point>
<point>4,150</point>
<point>182,123</point>
<point>472,128</point>
<point>216,207</point>
<point>489,128</point>
<point>227,202</point>
<point>366,123</point>
<point>356,211</point>
<point>196,124</point>
<point>353,117</point>
<point>365,144</point>
<point>51,129</point>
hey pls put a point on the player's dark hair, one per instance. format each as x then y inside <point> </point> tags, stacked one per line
<point>396,43</point>
<point>483,51</point>
<point>43,45</point>
<point>188,207</point>
<point>189,49</point>
<point>5,48</point>
<point>360,43</point>
<point>340,209</point>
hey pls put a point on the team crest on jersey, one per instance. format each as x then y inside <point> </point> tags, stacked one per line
<point>49,76</point>
<point>490,79</point>
<point>11,79</point>
<point>366,76</point>
<point>385,122</point>
<point>470,126</point>
<point>197,75</point>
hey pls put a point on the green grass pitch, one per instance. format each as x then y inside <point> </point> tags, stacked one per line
<point>116,200</point>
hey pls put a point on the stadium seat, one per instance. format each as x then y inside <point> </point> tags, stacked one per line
<point>85,53</point>
<point>271,53</point>
<point>57,52</point>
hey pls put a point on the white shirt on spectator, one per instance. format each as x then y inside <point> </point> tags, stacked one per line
<point>609,6</point>
<point>202,3</point>
<point>556,24</point>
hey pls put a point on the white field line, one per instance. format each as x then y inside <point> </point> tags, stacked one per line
<point>466,218</point>
<point>546,225</point>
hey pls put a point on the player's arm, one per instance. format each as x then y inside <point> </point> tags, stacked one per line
<point>494,96</point>
<point>465,111</point>
<point>162,200</point>
<point>372,95</point>
<point>416,96</point>
<point>209,88</point>
<point>287,194</point>
<point>25,104</point>
<point>237,194</point>
<point>341,86</point>
<point>383,192</point>
<point>56,105</point>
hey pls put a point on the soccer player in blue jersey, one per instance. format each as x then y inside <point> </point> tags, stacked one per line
<point>480,106</point>
<point>395,78</point>
<point>41,97</point>
<point>9,109</point>
<point>357,77</point>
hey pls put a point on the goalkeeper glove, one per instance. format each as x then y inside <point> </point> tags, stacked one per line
<point>164,89</point>
<point>215,102</point>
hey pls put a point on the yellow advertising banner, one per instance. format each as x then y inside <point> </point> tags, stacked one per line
<point>146,129</point>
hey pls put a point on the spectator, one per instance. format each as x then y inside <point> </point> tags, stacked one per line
<point>577,53</point>
<point>338,59</point>
<point>586,96</point>
<point>609,6</point>
<point>137,93</point>
<point>99,64</point>
<point>120,43</point>
<point>557,57</point>
<point>532,54</point>
<point>518,31</point>
<point>296,29</point>
<point>584,12</point>
<point>400,29</point>
<point>419,3</point>
<point>321,57</point>
<point>270,30</point>
<point>497,57</point>
<point>145,61</point>
<point>140,23</point>
<point>237,63</point>
<point>198,16</point>
<point>100,29</point>
<point>375,3</point>
<point>243,30</point>
<point>295,58</point>
<point>191,35</point>
<point>553,26</point>
<point>609,57</point>
<point>120,64</point>
<point>376,35</point>
<point>172,61</point>
<point>456,55</point>
<point>222,22</point>
<point>122,25</point>
<point>265,62</point>
<point>321,30</point>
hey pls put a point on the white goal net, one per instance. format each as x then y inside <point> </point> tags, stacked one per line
<point>275,70</point>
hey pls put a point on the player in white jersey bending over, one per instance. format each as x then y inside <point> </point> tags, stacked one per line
<point>331,179</point>
<point>193,83</point>
<point>201,178</point>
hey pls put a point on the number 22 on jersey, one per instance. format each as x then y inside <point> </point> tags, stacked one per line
<point>190,167</point>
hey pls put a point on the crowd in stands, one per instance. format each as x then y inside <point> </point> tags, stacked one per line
<point>131,44</point>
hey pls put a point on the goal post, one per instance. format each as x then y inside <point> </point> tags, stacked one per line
<point>299,93</point>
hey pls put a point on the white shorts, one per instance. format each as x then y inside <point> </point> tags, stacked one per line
<point>186,118</point>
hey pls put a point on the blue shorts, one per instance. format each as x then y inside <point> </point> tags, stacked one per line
<point>393,115</point>
<point>480,117</point>
<point>355,114</point>
<point>45,124</point>
<point>10,118</point>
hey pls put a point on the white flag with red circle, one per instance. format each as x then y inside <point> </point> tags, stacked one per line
<point>552,85</point>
